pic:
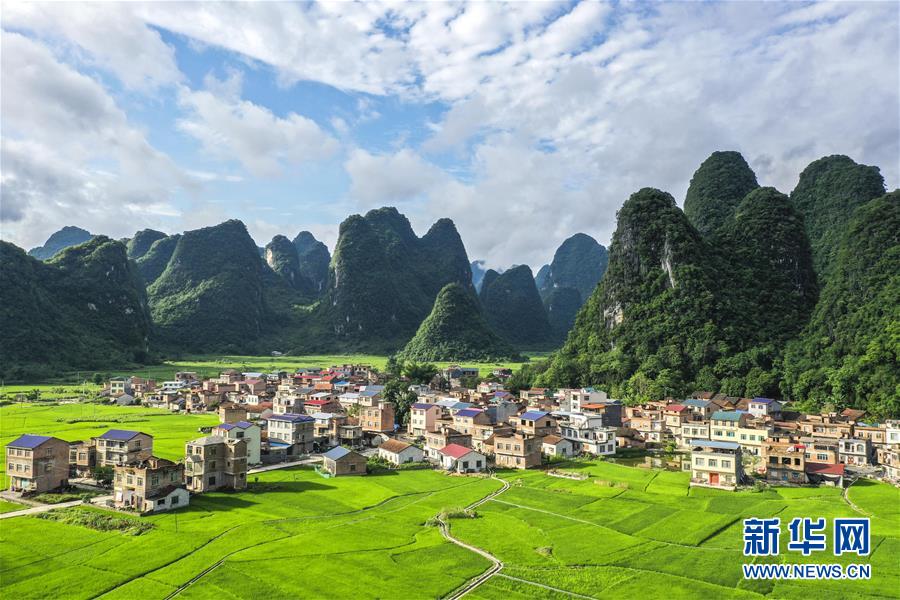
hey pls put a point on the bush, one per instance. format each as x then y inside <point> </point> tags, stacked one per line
<point>97,520</point>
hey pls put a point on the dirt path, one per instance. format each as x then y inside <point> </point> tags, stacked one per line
<point>496,563</point>
<point>39,509</point>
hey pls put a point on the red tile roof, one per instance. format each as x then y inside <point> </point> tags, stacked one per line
<point>455,450</point>
<point>824,469</point>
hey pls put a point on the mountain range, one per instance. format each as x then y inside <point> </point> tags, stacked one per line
<point>747,291</point>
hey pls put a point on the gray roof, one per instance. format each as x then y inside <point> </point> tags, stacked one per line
<point>337,452</point>
<point>208,440</point>
<point>716,444</point>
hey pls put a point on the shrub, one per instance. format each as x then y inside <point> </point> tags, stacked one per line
<point>97,520</point>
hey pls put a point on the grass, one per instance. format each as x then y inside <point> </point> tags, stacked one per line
<point>72,422</point>
<point>6,507</point>
<point>293,534</point>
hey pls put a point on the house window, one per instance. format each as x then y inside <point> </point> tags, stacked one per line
<point>174,500</point>
<point>713,462</point>
<point>353,467</point>
<point>140,481</point>
<point>465,464</point>
<point>726,463</point>
<point>161,501</point>
<point>698,461</point>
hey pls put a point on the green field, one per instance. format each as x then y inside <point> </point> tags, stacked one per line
<point>294,534</point>
<point>78,383</point>
<point>72,422</point>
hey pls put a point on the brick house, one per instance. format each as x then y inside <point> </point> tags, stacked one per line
<point>517,451</point>
<point>297,431</point>
<point>716,464</point>
<point>243,430</point>
<point>343,461</point>
<point>121,447</point>
<point>214,462</point>
<point>785,462</point>
<point>422,418</point>
<point>151,485</point>
<point>37,463</point>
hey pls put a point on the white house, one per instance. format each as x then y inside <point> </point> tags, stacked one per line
<point>588,434</point>
<point>243,430</point>
<point>553,445</point>
<point>461,459</point>
<point>398,453</point>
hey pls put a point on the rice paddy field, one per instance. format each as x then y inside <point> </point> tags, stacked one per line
<point>80,421</point>
<point>623,532</point>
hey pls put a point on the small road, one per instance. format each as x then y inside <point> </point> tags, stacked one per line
<point>39,509</point>
<point>311,460</point>
<point>496,563</point>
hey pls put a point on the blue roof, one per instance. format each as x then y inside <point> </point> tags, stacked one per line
<point>342,383</point>
<point>469,412</point>
<point>533,415</point>
<point>370,393</point>
<point>423,405</point>
<point>291,417</point>
<point>29,441</point>
<point>696,402</point>
<point>336,453</point>
<point>239,424</point>
<point>728,415</point>
<point>122,435</point>
<point>226,426</point>
<point>763,400</point>
<point>716,444</point>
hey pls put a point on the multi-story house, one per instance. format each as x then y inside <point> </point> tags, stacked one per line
<point>243,430</point>
<point>877,434</point>
<point>517,451</point>
<point>650,426</point>
<point>423,418</point>
<point>716,464</point>
<point>150,485</point>
<point>287,403</point>
<point>230,412</point>
<point>701,409</point>
<point>443,436</point>
<point>121,446</point>
<point>377,417</point>
<point>119,386</point>
<point>785,462</point>
<point>37,463</point>
<point>610,410</point>
<point>296,431</point>
<point>82,458</point>
<point>692,430</point>
<point>855,451</point>
<point>571,400</point>
<point>588,434</point>
<point>826,426</point>
<point>534,422</point>
<point>214,462</point>
<point>821,450</point>
<point>764,407</point>
<point>464,421</point>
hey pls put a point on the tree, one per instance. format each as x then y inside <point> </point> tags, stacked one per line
<point>97,379</point>
<point>420,372</point>
<point>104,475</point>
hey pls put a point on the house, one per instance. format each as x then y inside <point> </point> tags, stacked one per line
<point>692,430</point>
<point>435,441</point>
<point>554,445</point>
<point>123,400</point>
<point>422,418</point>
<point>150,485</point>
<point>588,434</point>
<point>517,451</point>
<point>855,451</point>
<point>295,431</point>
<point>119,386</point>
<point>571,400</point>
<point>287,403</point>
<point>82,458</point>
<point>325,403</point>
<point>377,417</point>
<point>818,473</point>
<point>535,395</point>
<point>121,446</point>
<point>826,426</point>
<point>610,411</point>
<point>821,450</point>
<point>534,422</point>
<point>243,430</point>
<point>764,407</point>
<point>785,462</point>
<point>343,461</point>
<point>716,464</point>
<point>397,452</point>
<point>460,459</point>
<point>37,463</point>
<point>230,412</point>
<point>214,463</point>
<point>701,409</point>
<point>464,421</point>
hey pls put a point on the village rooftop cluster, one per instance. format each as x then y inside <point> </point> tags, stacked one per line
<point>339,420</point>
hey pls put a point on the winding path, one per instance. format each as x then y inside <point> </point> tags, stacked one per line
<point>496,563</point>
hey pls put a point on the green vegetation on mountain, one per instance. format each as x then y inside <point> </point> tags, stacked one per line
<point>716,189</point>
<point>562,306</point>
<point>578,265</point>
<point>314,258</point>
<point>513,307</point>
<point>849,354</point>
<point>152,264</point>
<point>383,280</point>
<point>66,237</point>
<point>211,295</point>
<point>829,191</point>
<point>281,256</point>
<point>85,308</point>
<point>456,330</point>
<point>140,244</point>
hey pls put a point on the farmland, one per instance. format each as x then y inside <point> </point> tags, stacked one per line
<point>72,422</point>
<point>621,533</point>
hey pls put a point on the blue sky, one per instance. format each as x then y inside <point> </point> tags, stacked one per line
<point>523,122</point>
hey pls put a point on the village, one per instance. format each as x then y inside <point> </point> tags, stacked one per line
<point>339,420</point>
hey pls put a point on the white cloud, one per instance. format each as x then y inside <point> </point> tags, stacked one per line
<point>232,128</point>
<point>70,155</point>
<point>106,34</point>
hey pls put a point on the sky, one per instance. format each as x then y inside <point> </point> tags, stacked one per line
<point>523,122</point>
